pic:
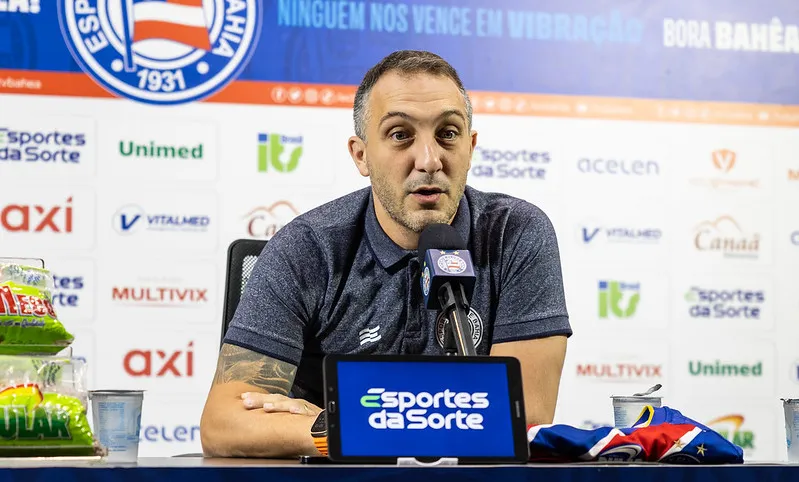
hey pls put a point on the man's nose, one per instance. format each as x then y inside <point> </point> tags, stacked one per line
<point>428,156</point>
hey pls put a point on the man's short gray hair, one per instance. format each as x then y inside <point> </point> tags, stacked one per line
<point>404,62</point>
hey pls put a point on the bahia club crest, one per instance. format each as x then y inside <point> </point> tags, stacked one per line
<point>161,51</point>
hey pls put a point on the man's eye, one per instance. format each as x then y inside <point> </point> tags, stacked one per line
<point>449,134</point>
<point>399,135</point>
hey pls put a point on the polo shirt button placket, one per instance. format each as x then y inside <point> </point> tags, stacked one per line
<point>414,343</point>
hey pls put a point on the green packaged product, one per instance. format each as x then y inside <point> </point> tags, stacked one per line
<point>33,423</point>
<point>28,322</point>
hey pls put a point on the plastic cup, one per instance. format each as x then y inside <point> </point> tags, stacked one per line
<point>626,410</point>
<point>117,420</point>
<point>791,409</point>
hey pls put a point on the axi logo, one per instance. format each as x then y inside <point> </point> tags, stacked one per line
<point>725,304</point>
<point>263,222</point>
<point>724,159</point>
<point>416,409</point>
<point>169,296</point>
<point>38,146</point>
<point>281,152</point>
<point>36,218</point>
<point>67,290</point>
<point>159,363</point>
<point>729,427</point>
<point>509,163</point>
<point>611,294</point>
<point>153,150</point>
<point>619,371</point>
<point>725,236</point>
<point>131,219</point>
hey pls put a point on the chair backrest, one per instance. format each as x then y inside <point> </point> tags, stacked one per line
<point>241,257</point>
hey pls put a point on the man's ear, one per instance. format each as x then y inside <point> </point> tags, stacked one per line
<point>471,150</point>
<point>357,148</point>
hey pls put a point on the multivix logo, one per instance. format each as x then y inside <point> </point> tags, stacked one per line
<point>278,152</point>
<point>612,302</point>
<point>416,411</point>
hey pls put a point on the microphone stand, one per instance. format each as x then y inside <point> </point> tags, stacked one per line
<point>457,334</point>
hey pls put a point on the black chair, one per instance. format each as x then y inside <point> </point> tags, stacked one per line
<point>241,257</point>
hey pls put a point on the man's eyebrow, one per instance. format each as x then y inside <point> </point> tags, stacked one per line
<point>406,116</point>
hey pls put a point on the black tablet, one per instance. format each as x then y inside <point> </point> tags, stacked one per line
<point>381,408</point>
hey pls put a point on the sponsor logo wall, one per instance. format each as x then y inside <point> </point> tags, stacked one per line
<point>675,220</point>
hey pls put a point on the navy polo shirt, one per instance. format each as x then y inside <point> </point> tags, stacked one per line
<point>332,281</point>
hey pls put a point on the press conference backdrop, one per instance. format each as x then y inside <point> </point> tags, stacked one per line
<point>139,138</point>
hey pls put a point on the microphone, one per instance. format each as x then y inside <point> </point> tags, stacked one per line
<point>448,284</point>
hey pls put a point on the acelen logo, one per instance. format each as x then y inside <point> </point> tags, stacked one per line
<point>160,363</point>
<point>36,218</point>
<point>725,237</point>
<point>168,296</point>
<point>170,434</point>
<point>618,167</point>
<point>619,371</point>
<point>263,222</point>
<point>278,153</point>
<point>611,294</point>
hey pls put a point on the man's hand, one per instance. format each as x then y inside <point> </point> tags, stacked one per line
<point>274,403</point>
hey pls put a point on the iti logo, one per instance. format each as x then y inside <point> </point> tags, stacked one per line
<point>724,159</point>
<point>272,152</point>
<point>161,51</point>
<point>610,299</point>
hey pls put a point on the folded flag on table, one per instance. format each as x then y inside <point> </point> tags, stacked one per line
<point>661,435</point>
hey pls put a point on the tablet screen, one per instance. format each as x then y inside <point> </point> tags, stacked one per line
<point>412,409</point>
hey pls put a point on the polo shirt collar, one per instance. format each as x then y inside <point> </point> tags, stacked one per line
<point>388,253</point>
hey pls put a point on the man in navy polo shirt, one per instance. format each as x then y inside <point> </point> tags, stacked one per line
<point>344,277</point>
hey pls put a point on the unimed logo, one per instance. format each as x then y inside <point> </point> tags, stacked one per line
<point>36,218</point>
<point>279,153</point>
<point>160,363</point>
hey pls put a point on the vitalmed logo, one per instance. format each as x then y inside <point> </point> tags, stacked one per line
<point>725,237</point>
<point>619,167</point>
<point>132,219</point>
<point>725,304</point>
<point>731,428</point>
<point>278,152</point>
<point>592,234</point>
<point>152,150</point>
<point>401,410</point>
<point>49,146</point>
<point>160,363</point>
<point>37,218</point>
<point>717,368</point>
<point>489,162</point>
<point>619,371</point>
<point>724,162</point>
<point>21,6</point>
<point>618,299</point>
<point>160,294</point>
<point>263,222</point>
